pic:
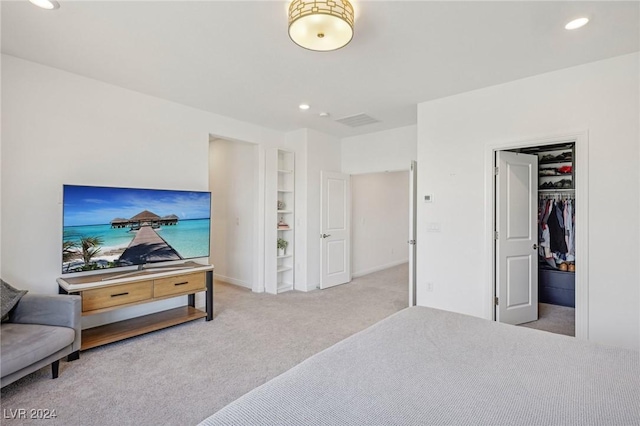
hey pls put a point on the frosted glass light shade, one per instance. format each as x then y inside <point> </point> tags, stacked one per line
<point>321,25</point>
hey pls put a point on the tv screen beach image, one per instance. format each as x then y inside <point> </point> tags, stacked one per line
<point>107,227</point>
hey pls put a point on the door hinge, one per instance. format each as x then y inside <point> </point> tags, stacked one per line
<point>495,235</point>
<point>496,301</point>
<point>412,242</point>
<point>496,170</point>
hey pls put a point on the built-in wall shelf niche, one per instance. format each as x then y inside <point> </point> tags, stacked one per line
<point>280,217</point>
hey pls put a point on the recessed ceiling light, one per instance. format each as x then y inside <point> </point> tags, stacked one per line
<point>576,23</point>
<point>303,107</point>
<point>324,114</point>
<point>46,4</point>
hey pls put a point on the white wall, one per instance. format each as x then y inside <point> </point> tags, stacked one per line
<point>1,171</point>
<point>380,221</point>
<point>323,154</point>
<point>389,150</point>
<point>298,139</point>
<point>232,182</point>
<point>453,136</point>
<point>58,128</point>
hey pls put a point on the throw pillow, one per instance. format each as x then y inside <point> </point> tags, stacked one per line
<point>9,298</point>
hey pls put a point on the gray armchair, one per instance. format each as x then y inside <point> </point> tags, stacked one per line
<point>41,330</point>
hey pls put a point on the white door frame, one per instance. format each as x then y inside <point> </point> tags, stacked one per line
<point>581,165</point>
<point>413,231</point>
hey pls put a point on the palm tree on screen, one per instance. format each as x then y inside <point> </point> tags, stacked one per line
<point>69,250</point>
<point>90,247</point>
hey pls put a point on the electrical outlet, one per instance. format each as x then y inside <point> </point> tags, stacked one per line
<point>429,286</point>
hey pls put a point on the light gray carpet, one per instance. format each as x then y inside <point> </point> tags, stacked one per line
<point>181,375</point>
<point>555,319</point>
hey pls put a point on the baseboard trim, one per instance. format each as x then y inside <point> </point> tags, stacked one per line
<point>304,288</point>
<point>233,281</point>
<point>379,268</point>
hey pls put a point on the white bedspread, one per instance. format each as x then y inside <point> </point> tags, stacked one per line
<point>424,366</point>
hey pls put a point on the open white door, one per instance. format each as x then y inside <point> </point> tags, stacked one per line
<point>517,238</point>
<point>413,198</point>
<point>335,230</point>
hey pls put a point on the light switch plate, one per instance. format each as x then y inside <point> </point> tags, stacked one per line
<point>433,227</point>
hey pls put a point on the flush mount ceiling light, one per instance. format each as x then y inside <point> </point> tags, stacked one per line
<point>303,107</point>
<point>321,25</point>
<point>46,4</point>
<point>576,23</point>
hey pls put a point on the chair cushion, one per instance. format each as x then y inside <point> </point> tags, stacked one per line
<point>9,297</point>
<point>24,344</point>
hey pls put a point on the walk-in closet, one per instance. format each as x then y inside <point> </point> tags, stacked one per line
<point>557,210</point>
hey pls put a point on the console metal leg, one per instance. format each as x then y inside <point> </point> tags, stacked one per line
<point>55,367</point>
<point>209,295</point>
<point>73,356</point>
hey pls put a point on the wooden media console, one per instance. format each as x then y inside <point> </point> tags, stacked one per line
<point>106,292</point>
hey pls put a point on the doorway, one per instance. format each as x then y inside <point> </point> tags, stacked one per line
<point>380,221</point>
<point>562,185</point>
<point>234,185</point>
<point>535,245</point>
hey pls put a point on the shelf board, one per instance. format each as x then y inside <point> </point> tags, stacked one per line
<point>557,190</point>
<point>285,171</point>
<point>116,331</point>
<point>284,268</point>
<point>285,211</point>
<point>282,287</point>
<point>285,190</point>
<point>285,229</point>
<point>556,270</point>
<point>285,256</point>
<point>555,161</point>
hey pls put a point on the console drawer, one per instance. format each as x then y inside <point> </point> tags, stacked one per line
<point>116,295</point>
<point>184,284</point>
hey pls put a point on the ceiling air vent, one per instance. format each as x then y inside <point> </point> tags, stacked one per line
<point>357,120</point>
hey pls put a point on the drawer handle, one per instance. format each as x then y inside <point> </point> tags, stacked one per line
<point>182,283</point>
<point>120,294</point>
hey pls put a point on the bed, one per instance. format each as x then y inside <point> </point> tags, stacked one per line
<point>424,366</point>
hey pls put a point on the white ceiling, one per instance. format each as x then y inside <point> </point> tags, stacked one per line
<point>234,58</point>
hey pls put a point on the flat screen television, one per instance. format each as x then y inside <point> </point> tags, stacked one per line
<point>107,227</point>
